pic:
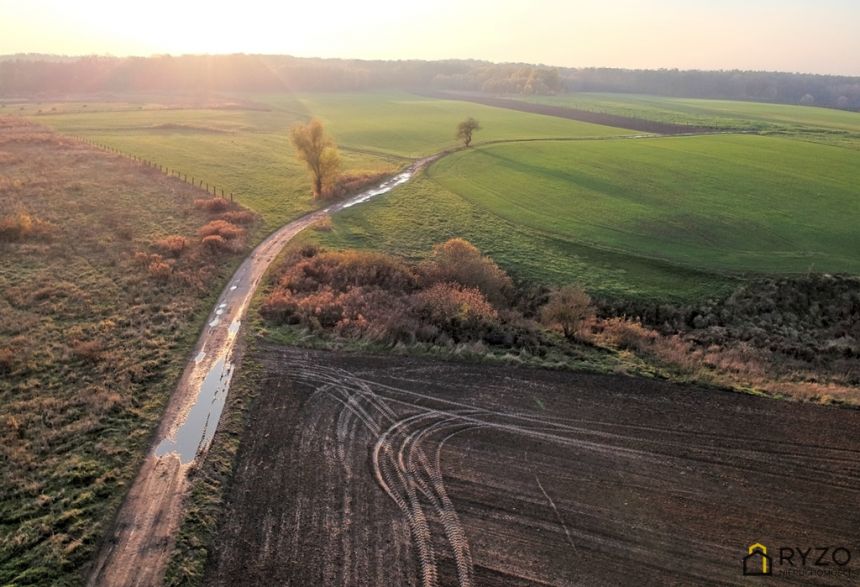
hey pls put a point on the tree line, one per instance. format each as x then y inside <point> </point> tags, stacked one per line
<point>28,75</point>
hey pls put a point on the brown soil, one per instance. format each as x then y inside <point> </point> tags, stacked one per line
<point>378,470</point>
<point>627,122</point>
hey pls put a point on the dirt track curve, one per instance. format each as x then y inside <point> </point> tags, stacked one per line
<point>367,470</point>
<point>137,551</point>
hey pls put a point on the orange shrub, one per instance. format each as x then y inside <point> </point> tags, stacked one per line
<point>212,204</point>
<point>222,228</point>
<point>458,260</point>
<point>23,225</point>
<point>160,270</point>
<point>172,245</point>
<point>454,307</point>
<point>238,217</point>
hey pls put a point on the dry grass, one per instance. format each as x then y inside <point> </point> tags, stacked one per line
<point>95,328</point>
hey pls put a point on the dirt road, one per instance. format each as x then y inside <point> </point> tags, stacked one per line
<point>372,470</point>
<point>138,550</point>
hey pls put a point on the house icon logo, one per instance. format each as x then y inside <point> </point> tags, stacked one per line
<point>757,562</point>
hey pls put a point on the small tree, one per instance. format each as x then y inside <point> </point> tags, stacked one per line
<point>319,153</point>
<point>465,130</point>
<point>567,307</point>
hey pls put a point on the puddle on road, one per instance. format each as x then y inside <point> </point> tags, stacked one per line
<point>234,327</point>
<point>197,430</point>
<point>385,187</point>
<point>200,356</point>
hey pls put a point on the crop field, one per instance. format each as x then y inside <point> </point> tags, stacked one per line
<point>242,145</point>
<point>718,113</point>
<point>383,470</point>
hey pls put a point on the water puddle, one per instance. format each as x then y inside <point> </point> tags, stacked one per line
<point>197,430</point>
<point>385,187</point>
<point>214,323</point>
<point>200,356</point>
<point>234,327</point>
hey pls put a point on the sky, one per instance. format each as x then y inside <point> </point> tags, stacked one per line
<point>817,36</point>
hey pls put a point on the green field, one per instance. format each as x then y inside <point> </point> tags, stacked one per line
<point>818,124</point>
<point>658,217</point>
<point>247,151</point>
<point>662,217</point>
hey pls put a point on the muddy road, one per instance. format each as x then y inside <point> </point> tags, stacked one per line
<point>137,551</point>
<point>366,470</point>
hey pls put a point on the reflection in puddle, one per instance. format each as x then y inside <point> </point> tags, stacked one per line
<point>197,430</point>
<point>385,187</point>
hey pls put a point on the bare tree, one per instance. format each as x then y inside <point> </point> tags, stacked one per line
<point>319,153</point>
<point>567,307</point>
<point>465,130</point>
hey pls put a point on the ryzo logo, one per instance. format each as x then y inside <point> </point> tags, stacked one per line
<point>757,562</point>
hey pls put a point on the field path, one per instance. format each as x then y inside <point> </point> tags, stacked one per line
<point>137,552</point>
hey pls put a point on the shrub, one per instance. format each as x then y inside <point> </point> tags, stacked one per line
<point>341,271</point>
<point>22,225</point>
<point>243,217</point>
<point>567,307</point>
<point>172,245</point>
<point>159,270</point>
<point>458,260</point>
<point>212,204</point>
<point>215,243</point>
<point>222,228</point>
<point>464,312</point>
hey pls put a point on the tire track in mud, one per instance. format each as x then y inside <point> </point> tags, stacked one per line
<point>137,550</point>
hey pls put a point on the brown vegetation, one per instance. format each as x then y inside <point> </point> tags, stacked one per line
<point>93,321</point>
<point>23,226</point>
<point>566,308</point>
<point>212,204</point>
<point>767,336</point>
<point>457,296</point>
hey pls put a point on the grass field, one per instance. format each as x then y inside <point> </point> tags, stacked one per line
<point>245,148</point>
<point>667,217</point>
<point>92,341</point>
<point>811,123</point>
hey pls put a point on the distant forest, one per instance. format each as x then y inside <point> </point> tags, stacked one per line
<point>29,75</point>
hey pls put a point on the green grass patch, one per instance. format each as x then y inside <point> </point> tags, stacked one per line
<point>667,217</point>
<point>247,151</point>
